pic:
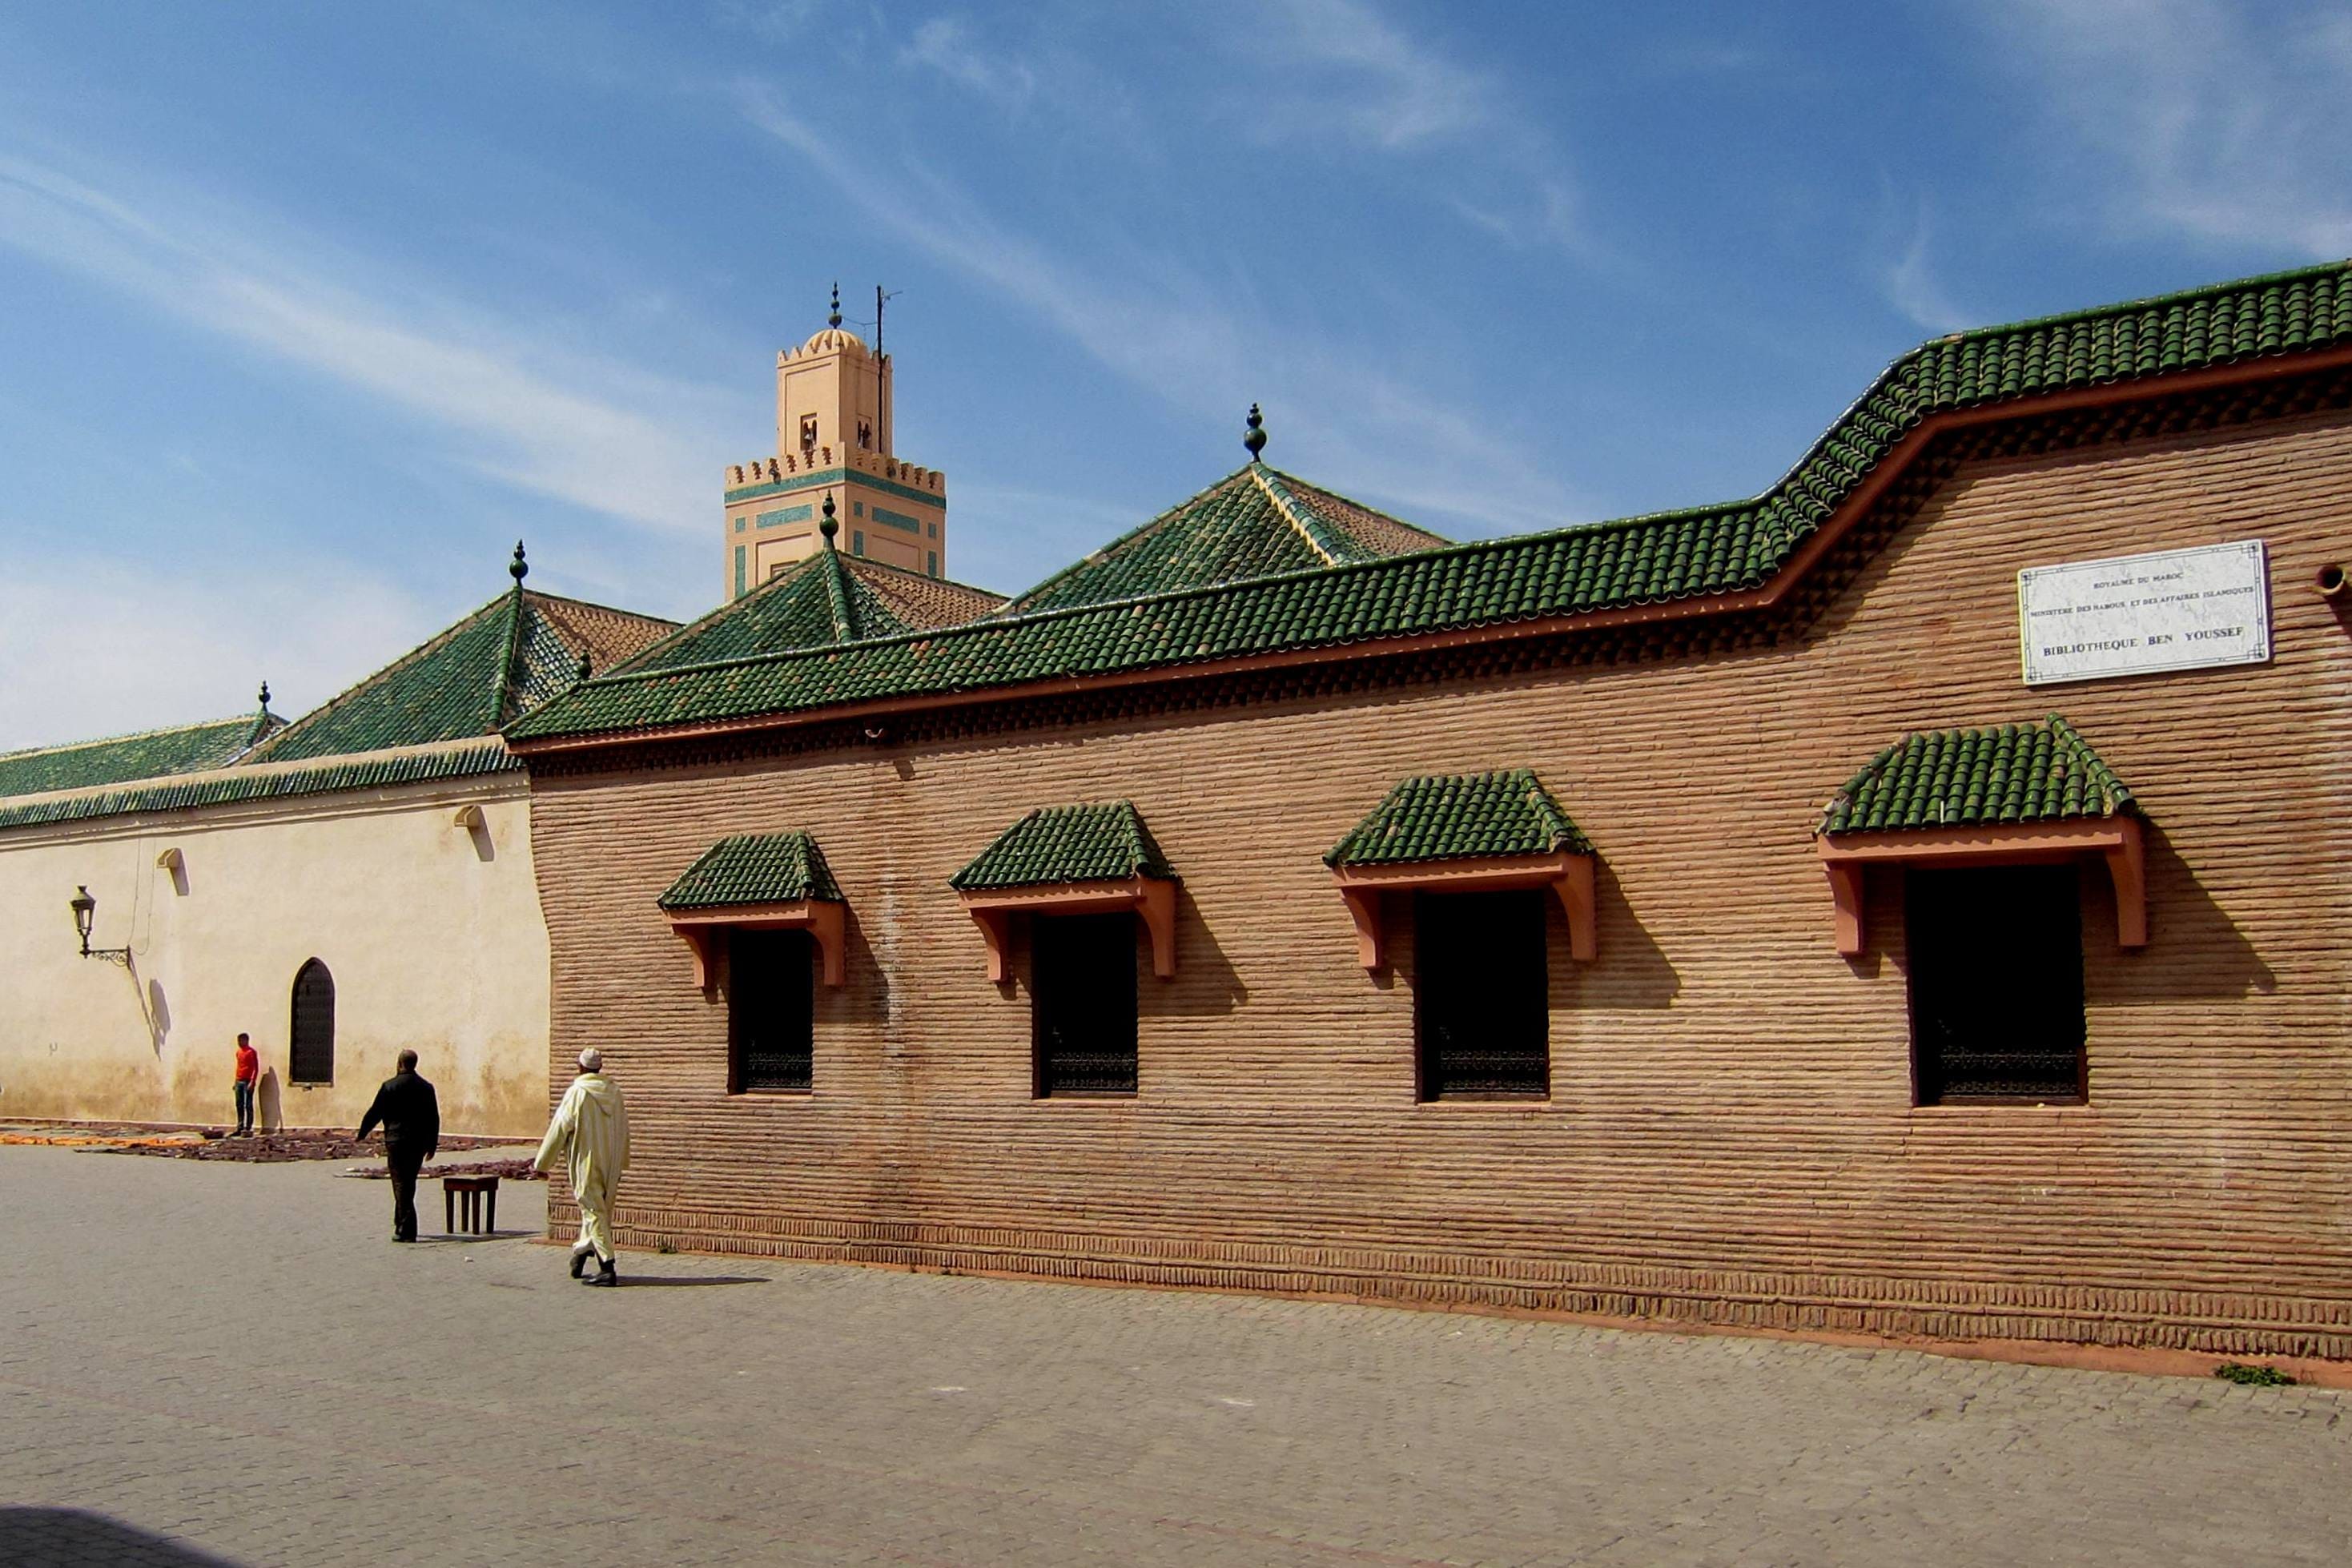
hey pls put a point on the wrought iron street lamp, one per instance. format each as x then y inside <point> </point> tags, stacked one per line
<point>85,911</point>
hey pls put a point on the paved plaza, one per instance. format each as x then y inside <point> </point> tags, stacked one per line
<point>209,1363</point>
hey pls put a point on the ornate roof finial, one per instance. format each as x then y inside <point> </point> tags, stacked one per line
<point>518,568</point>
<point>584,670</point>
<point>1254,439</point>
<point>828,527</point>
<point>265,697</point>
<point>835,320</point>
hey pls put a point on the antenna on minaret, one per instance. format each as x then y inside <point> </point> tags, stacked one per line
<point>882,404</point>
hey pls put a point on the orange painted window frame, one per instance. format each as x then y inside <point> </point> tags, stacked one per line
<point>1570,877</point>
<point>823,919</point>
<point>1152,898</point>
<point>2116,840</point>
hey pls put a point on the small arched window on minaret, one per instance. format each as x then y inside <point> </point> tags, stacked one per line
<point>866,434</point>
<point>808,434</point>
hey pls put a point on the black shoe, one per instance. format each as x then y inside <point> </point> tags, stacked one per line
<point>579,1264</point>
<point>604,1275</point>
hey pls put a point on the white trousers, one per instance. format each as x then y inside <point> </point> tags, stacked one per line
<point>595,1220</point>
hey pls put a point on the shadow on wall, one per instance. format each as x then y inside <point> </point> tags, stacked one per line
<point>75,1535</point>
<point>1204,984</point>
<point>2195,949</point>
<point>268,1102</point>
<point>1629,969</point>
<point>867,995</point>
<point>159,1017</point>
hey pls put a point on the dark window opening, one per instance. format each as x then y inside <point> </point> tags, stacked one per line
<point>771,1011</point>
<point>1082,991</point>
<point>1482,1003</point>
<point>310,1040</point>
<point>1995,960</point>
<point>808,433</point>
<point>865,434</point>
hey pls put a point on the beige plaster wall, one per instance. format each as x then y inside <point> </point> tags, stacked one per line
<point>432,932</point>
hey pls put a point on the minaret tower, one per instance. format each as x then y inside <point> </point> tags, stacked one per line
<point>833,438</point>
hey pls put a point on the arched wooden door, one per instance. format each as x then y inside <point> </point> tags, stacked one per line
<point>310,1041</point>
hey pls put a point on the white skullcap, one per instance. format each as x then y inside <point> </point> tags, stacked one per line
<point>591,1060</point>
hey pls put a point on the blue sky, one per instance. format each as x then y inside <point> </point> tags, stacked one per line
<point>310,311</point>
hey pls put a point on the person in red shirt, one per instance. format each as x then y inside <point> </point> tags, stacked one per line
<point>248,1079</point>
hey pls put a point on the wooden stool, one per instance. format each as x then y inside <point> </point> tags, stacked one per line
<point>473,1189</point>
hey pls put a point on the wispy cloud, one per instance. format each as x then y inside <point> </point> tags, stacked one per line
<point>2226,124</point>
<point>542,418</point>
<point>1390,92</point>
<point>1914,288</point>
<point>947,45</point>
<point>1334,408</point>
<point>150,645</point>
<point>1349,73</point>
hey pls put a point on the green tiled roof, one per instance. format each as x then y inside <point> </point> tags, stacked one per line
<point>503,660</point>
<point>1635,560</point>
<point>153,753</point>
<point>827,599</point>
<point>1980,778</point>
<point>754,868</point>
<point>1256,522</point>
<point>236,784</point>
<point>1067,843</point>
<point>1458,817</point>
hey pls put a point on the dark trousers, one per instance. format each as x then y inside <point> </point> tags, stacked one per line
<point>405,1166</point>
<point>245,1105</point>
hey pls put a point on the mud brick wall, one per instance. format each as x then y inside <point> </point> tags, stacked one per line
<point>1730,1136</point>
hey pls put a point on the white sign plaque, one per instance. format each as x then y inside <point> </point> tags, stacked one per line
<point>2140,614</point>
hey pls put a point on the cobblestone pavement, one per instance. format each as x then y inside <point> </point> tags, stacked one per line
<point>205,1363</point>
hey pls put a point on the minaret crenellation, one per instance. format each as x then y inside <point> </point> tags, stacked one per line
<point>834,430</point>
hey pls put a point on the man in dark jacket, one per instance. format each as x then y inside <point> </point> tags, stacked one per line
<point>411,1114</point>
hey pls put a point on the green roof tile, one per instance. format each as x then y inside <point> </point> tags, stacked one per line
<point>1634,560</point>
<point>827,599</point>
<point>500,662</point>
<point>754,868</point>
<point>1255,522</point>
<point>153,753</point>
<point>1067,843</point>
<point>239,784</point>
<point>1459,818</point>
<point>1980,778</point>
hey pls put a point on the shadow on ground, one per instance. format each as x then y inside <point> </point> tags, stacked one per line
<point>42,1536</point>
<point>692,1279</point>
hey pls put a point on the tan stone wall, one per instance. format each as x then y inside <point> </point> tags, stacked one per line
<point>1730,1135</point>
<point>432,946</point>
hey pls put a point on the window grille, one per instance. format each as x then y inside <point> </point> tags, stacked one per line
<point>1996,971</point>
<point>1082,988</point>
<point>311,1038</point>
<point>771,1011</point>
<point>1482,1006</point>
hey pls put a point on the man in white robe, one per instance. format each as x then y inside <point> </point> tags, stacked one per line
<point>592,1131</point>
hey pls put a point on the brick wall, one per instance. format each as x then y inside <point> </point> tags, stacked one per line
<point>1730,1136</point>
